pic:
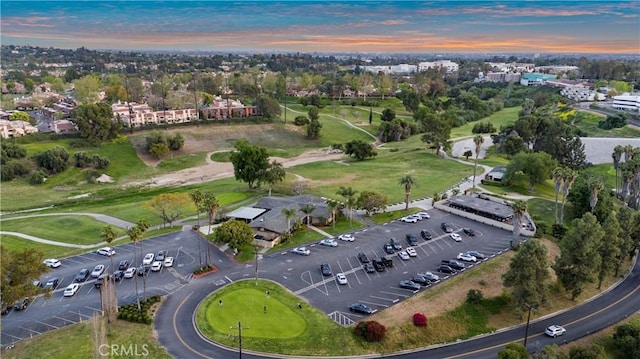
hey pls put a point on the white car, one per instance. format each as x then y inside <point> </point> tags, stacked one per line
<point>555,331</point>
<point>156,266</point>
<point>148,259</point>
<point>467,257</point>
<point>456,237</point>
<point>423,215</point>
<point>416,216</point>
<point>130,272</point>
<point>341,278</point>
<point>168,262</point>
<point>329,242</point>
<point>303,251</point>
<point>409,219</point>
<point>411,252</point>
<point>71,290</point>
<point>403,255</point>
<point>97,271</point>
<point>346,237</point>
<point>52,263</point>
<point>106,251</point>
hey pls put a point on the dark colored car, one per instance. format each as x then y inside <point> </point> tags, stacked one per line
<point>446,227</point>
<point>426,235</point>
<point>369,268</point>
<point>143,270</point>
<point>430,276</point>
<point>363,258</point>
<point>456,264</point>
<point>469,232</point>
<point>407,284</point>
<point>82,275</point>
<point>388,262</point>
<point>5,309</point>
<point>22,304</point>
<point>396,245</point>
<point>360,308</point>
<point>326,269</point>
<point>123,265</point>
<point>98,283</point>
<point>379,265</point>
<point>161,256</point>
<point>118,275</point>
<point>477,254</point>
<point>388,248</point>
<point>412,239</point>
<point>422,280</point>
<point>443,268</point>
<point>52,283</point>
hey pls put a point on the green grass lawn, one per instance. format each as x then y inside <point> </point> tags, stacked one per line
<point>300,238</point>
<point>588,123</point>
<point>384,217</point>
<point>544,210</point>
<point>176,163</point>
<point>284,328</point>
<point>343,225</point>
<point>17,244</point>
<point>68,229</point>
<point>503,117</point>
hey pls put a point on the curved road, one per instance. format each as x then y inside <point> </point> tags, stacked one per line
<point>176,330</point>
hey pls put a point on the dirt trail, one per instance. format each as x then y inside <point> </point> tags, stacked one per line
<point>217,170</point>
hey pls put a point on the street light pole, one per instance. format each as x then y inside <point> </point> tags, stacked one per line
<point>256,250</point>
<point>239,340</point>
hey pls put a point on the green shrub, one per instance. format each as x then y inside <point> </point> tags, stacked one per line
<point>370,331</point>
<point>474,296</point>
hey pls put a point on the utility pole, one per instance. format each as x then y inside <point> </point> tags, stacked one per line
<point>526,331</point>
<point>239,340</point>
<point>256,250</point>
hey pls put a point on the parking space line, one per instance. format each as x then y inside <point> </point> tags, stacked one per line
<point>31,330</point>
<point>12,336</point>
<point>47,324</point>
<point>393,293</point>
<point>374,303</point>
<point>65,319</point>
<point>383,298</point>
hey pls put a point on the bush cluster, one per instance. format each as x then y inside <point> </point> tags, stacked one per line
<point>130,312</point>
<point>483,127</point>
<point>370,331</point>
<point>205,268</point>
<point>474,296</point>
<point>301,121</point>
<point>83,160</point>
<point>419,320</point>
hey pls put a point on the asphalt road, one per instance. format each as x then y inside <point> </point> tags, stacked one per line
<point>175,320</point>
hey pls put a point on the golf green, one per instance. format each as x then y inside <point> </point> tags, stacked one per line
<point>261,316</point>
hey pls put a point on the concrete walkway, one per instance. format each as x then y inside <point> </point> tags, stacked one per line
<point>320,231</point>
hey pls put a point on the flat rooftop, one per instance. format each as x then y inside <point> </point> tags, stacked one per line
<point>483,205</point>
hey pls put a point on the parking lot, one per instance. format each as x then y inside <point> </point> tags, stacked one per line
<point>45,314</point>
<point>379,290</point>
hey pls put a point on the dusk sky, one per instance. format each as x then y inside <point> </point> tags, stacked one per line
<point>327,26</point>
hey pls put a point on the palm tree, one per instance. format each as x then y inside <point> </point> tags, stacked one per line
<point>569,176</point>
<point>616,156</point>
<point>197,197</point>
<point>519,209</point>
<point>332,205</point>
<point>478,140</point>
<point>135,235</point>
<point>349,194</point>
<point>211,205</point>
<point>289,213</point>
<point>307,209</point>
<point>407,181</point>
<point>557,180</point>
<point>109,235</point>
<point>108,292</point>
<point>595,185</point>
<point>141,227</point>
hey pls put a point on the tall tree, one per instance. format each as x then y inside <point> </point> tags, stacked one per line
<point>519,210</point>
<point>332,205</point>
<point>95,122</point>
<point>307,209</point>
<point>197,197</point>
<point>86,89</point>
<point>18,270</point>
<point>595,185</point>
<point>372,201</point>
<point>528,275</point>
<point>610,248</point>
<point>350,199</point>
<point>536,166</point>
<point>169,206</point>
<point>579,258</point>
<point>136,233</point>
<point>288,214</point>
<point>274,173</point>
<point>407,181</point>
<point>568,177</point>
<point>437,129</point>
<point>211,205</point>
<point>616,156</point>
<point>234,233</point>
<point>478,140</point>
<point>557,181</point>
<point>249,163</point>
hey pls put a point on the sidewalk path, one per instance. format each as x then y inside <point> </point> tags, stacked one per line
<point>319,231</point>
<point>46,241</point>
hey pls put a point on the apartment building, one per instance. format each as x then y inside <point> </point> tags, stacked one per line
<point>627,102</point>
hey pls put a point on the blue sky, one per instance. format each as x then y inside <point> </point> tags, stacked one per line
<point>344,26</point>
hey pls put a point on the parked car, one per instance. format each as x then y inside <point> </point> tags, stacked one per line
<point>71,290</point>
<point>422,280</point>
<point>467,257</point>
<point>161,255</point>
<point>409,219</point>
<point>456,237</point>
<point>412,239</point>
<point>97,271</point>
<point>396,244</point>
<point>82,275</point>
<point>378,265</point>
<point>388,248</point>
<point>303,251</point>
<point>446,227</point>
<point>148,259</point>
<point>106,251</point>
<point>329,242</point>
<point>454,264</point>
<point>423,215</point>
<point>156,266</point>
<point>446,269</point>
<point>325,268</point>
<point>52,283</point>
<point>168,262</point>
<point>411,252</point>
<point>130,272</point>
<point>426,235</point>
<point>52,263</point>
<point>408,284</point>
<point>341,278</point>
<point>123,265</point>
<point>555,331</point>
<point>347,237</point>
<point>403,255</point>
<point>5,309</point>
<point>360,308</point>
<point>469,232</point>
<point>430,276</point>
<point>387,261</point>
<point>22,304</point>
<point>369,268</point>
<point>476,254</point>
<point>118,275</point>
<point>98,283</point>
<point>143,270</point>
<point>362,257</point>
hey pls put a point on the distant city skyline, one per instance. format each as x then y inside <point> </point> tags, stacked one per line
<point>327,26</point>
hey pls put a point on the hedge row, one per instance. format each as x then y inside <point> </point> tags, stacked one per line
<point>130,312</point>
